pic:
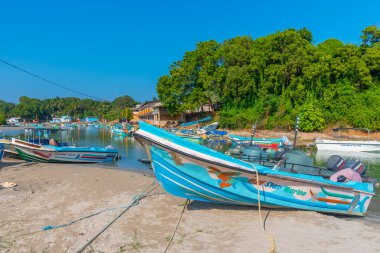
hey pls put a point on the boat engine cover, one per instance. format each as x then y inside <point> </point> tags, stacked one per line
<point>356,165</point>
<point>334,163</point>
<point>279,154</point>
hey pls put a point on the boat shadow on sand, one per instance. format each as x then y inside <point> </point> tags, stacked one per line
<point>199,205</point>
<point>11,163</point>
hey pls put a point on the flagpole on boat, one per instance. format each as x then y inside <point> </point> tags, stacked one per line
<point>296,130</point>
<point>253,133</point>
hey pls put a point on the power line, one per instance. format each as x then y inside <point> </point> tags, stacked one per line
<point>51,82</point>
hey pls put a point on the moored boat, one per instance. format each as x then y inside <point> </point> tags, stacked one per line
<point>41,149</point>
<point>1,151</point>
<point>348,145</point>
<point>351,146</point>
<point>271,143</point>
<point>120,130</point>
<point>196,172</point>
<point>190,137</point>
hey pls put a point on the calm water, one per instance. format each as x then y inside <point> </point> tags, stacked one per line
<point>130,151</point>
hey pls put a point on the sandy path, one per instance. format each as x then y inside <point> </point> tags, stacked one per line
<point>51,194</point>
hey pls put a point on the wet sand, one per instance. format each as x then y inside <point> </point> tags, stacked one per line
<point>53,194</point>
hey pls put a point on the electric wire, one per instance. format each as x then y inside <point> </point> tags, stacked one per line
<point>51,82</point>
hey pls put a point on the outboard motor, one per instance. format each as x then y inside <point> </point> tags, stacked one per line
<point>279,155</point>
<point>356,165</point>
<point>336,163</point>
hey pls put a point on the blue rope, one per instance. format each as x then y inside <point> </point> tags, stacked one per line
<point>135,202</point>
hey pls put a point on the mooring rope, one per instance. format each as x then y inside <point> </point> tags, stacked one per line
<point>135,202</point>
<point>49,227</point>
<point>176,227</point>
<point>269,236</point>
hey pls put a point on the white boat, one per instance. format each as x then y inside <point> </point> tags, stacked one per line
<point>348,145</point>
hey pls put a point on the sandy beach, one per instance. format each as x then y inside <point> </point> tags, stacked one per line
<point>54,194</point>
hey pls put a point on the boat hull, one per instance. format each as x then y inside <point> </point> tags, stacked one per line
<point>1,152</point>
<point>187,173</point>
<point>350,146</point>
<point>37,153</point>
<point>269,143</point>
<point>193,139</point>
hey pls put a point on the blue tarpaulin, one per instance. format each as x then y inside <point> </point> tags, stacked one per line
<point>208,118</point>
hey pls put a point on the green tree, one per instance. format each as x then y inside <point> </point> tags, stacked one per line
<point>311,117</point>
<point>6,108</point>
<point>371,35</point>
<point>273,78</point>
<point>3,120</point>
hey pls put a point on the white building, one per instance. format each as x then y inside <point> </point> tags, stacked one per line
<point>62,119</point>
<point>14,121</point>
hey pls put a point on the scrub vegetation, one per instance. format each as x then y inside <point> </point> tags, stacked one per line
<point>33,108</point>
<point>274,79</point>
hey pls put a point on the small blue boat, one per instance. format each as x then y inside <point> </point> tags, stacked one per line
<point>120,130</point>
<point>271,143</point>
<point>1,152</point>
<point>37,147</point>
<point>196,172</point>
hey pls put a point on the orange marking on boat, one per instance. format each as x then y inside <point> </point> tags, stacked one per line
<point>337,201</point>
<point>254,181</point>
<point>334,201</point>
<point>224,176</point>
<point>214,170</point>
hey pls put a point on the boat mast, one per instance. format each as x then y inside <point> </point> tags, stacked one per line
<point>296,131</point>
<point>253,134</point>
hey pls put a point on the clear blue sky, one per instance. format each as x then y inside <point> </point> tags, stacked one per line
<point>111,48</point>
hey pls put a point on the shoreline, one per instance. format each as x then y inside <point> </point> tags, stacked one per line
<point>303,138</point>
<point>52,194</point>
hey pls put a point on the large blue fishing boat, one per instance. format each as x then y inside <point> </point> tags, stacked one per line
<point>196,172</point>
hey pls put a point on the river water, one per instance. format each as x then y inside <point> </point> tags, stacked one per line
<point>131,151</point>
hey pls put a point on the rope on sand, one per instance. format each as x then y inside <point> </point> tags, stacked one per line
<point>268,235</point>
<point>135,202</point>
<point>176,227</point>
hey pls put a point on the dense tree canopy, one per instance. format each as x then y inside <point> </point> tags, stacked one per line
<point>6,108</point>
<point>32,108</point>
<point>277,77</point>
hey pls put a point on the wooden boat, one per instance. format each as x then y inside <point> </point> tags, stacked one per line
<point>348,145</point>
<point>36,148</point>
<point>196,172</point>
